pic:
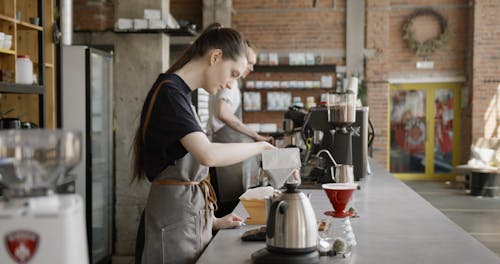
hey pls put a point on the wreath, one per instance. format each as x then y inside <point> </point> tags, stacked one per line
<point>428,46</point>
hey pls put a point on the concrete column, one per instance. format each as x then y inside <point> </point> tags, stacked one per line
<point>355,37</point>
<point>217,11</point>
<point>139,58</point>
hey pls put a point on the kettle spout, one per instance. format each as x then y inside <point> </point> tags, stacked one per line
<point>329,155</point>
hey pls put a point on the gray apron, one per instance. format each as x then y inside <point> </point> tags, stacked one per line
<point>231,180</point>
<point>177,228</point>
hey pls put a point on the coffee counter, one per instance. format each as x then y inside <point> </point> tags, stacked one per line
<point>396,225</point>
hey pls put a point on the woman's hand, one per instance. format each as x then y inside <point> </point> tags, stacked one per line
<point>228,221</point>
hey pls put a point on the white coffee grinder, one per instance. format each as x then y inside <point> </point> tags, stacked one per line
<point>36,224</point>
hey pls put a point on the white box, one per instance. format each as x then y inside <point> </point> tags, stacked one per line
<point>152,14</point>
<point>326,81</point>
<point>268,127</point>
<point>124,24</point>
<point>254,126</point>
<point>157,24</point>
<point>140,24</point>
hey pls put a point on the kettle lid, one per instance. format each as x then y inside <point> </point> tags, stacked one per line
<point>292,187</point>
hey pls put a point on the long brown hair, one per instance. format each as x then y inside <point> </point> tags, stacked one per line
<point>233,46</point>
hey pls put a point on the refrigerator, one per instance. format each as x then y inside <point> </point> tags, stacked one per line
<point>87,106</point>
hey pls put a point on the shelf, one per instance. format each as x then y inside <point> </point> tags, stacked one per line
<point>49,65</point>
<point>295,68</point>
<point>26,25</point>
<point>4,51</point>
<point>6,18</point>
<point>21,88</point>
<point>288,89</point>
<point>168,31</point>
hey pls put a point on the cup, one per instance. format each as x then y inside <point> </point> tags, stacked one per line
<point>344,173</point>
<point>35,21</point>
<point>18,15</point>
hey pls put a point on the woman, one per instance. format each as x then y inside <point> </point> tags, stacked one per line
<point>171,150</point>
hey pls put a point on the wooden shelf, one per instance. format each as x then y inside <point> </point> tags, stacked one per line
<point>21,88</point>
<point>287,89</point>
<point>30,26</point>
<point>6,18</point>
<point>49,65</point>
<point>295,68</point>
<point>4,51</point>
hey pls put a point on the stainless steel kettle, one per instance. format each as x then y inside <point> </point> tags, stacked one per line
<point>291,223</point>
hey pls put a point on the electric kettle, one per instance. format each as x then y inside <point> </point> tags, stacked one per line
<point>291,223</point>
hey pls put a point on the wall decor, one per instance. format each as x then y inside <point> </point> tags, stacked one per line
<point>426,47</point>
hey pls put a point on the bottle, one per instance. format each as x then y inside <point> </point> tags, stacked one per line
<point>24,70</point>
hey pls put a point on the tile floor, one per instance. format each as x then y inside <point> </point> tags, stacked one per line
<point>479,216</point>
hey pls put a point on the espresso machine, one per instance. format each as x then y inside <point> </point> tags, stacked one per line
<point>37,224</point>
<point>331,129</point>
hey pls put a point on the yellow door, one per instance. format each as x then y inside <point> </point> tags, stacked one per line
<point>423,130</point>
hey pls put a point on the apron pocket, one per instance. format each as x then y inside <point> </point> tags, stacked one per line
<point>180,241</point>
<point>205,231</point>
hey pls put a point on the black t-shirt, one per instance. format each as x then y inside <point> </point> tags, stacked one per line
<point>171,119</point>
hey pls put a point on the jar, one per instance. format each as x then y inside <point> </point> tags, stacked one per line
<point>24,69</point>
<point>7,42</point>
<point>2,37</point>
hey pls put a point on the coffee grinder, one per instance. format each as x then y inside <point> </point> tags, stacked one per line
<point>37,224</point>
<point>333,121</point>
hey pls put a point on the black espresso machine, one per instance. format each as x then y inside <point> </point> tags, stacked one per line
<point>340,128</point>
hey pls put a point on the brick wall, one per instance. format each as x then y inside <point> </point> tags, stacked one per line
<point>486,69</point>
<point>393,58</point>
<point>93,15</point>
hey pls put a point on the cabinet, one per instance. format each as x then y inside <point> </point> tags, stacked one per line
<point>285,73</point>
<point>34,103</point>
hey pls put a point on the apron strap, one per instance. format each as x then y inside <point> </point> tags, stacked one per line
<point>147,117</point>
<point>206,188</point>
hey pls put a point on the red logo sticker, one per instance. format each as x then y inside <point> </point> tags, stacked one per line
<point>22,245</point>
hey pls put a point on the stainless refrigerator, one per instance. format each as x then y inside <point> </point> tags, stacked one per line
<point>87,106</point>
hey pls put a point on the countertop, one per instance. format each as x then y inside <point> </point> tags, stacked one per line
<point>396,225</point>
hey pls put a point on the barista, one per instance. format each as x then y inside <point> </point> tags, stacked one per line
<point>172,152</point>
<point>225,126</point>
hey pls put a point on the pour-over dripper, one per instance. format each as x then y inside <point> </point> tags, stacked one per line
<point>32,160</point>
<point>280,164</point>
<point>339,195</point>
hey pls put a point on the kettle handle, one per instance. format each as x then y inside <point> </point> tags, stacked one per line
<point>279,206</point>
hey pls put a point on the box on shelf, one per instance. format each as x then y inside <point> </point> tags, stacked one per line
<point>124,24</point>
<point>140,23</point>
<point>157,24</point>
<point>254,126</point>
<point>263,58</point>
<point>152,14</point>
<point>273,58</point>
<point>310,58</point>
<point>268,127</point>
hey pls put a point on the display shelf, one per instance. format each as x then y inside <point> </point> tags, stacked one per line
<point>168,31</point>
<point>287,89</point>
<point>295,68</point>
<point>7,18</point>
<point>4,51</point>
<point>30,101</point>
<point>28,26</point>
<point>6,87</point>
